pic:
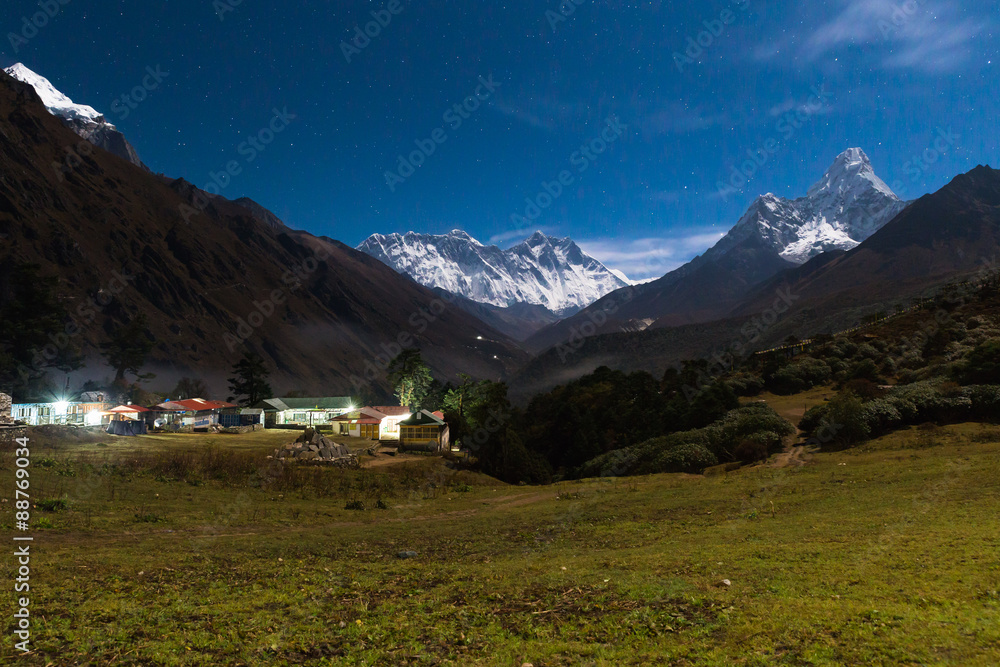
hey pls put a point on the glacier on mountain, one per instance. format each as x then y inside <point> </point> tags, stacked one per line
<point>542,270</point>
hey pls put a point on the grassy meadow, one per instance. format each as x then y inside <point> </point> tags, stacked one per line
<point>190,550</point>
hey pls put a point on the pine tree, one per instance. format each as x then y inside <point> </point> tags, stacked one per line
<point>410,377</point>
<point>250,382</point>
<point>128,348</point>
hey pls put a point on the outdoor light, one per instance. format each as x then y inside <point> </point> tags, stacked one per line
<point>94,418</point>
<point>61,408</point>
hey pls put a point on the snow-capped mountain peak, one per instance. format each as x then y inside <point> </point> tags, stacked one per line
<point>57,103</point>
<point>541,270</point>
<point>851,172</point>
<point>842,209</point>
<point>462,235</point>
<point>86,121</point>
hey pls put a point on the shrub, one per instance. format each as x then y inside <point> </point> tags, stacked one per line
<point>866,390</point>
<point>756,421</point>
<point>751,450</point>
<point>982,365</point>
<point>355,505</point>
<point>613,464</point>
<point>746,384</point>
<point>686,451</point>
<point>864,370</point>
<point>52,504</point>
<point>846,414</point>
<point>813,419</point>
<point>867,351</point>
<point>881,416</point>
<point>985,401</point>
<point>799,376</point>
<point>689,458</point>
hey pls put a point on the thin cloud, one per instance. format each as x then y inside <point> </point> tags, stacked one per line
<point>676,118</point>
<point>545,113</point>
<point>518,235</point>
<point>651,257</point>
<point>917,35</point>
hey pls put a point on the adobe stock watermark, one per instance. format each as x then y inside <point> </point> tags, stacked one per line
<point>31,25</point>
<point>918,164</point>
<point>86,314</point>
<point>566,9</point>
<point>454,117</point>
<point>721,361</point>
<point>900,16</point>
<point>249,149</point>
<point>596,319</point>
<point>363,37</point>
<point>989,268</point>
<point>292,281</point>
<point>788,124</point>
<point>704,40</point>
<point>223,7</point>
<point>74,157</point>
<point>579,162</point>
<point>130,101</point>
<point>419,321</point>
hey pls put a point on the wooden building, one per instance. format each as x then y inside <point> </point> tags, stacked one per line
<point>424,431</point>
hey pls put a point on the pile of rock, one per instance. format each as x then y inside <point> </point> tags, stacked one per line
<point>9,428</point>
<point>313,447</point>
<point>5,416</point>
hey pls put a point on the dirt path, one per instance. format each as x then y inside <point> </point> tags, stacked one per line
<point>383,460</point>
<point>795,456</point>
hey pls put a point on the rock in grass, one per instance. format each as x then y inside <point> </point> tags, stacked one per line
<point>406,554</point>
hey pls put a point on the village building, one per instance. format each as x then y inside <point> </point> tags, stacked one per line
<point>196,413</point>
<point>90,410</point>
<point>365,423</point>
<point>237,417</point>
<point>394,415</point>
<point>304,412</point>
<point>380,422</point>
<point>424,431</point>
<point>129,413</point>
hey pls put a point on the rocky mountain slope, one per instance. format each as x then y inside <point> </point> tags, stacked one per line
<point>323,315</point>
<point>950,235</point>
<point>842,209</point>
<point>543,270</point>
<point>82,119</point>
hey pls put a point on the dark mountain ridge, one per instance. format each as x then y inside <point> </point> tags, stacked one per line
<point>323,315</point>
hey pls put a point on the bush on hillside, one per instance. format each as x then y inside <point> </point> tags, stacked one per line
<point>982,365</point>
<point>813,418</point>
<point>690,458</point>
<point>801,375</point>
<point>985,401</point>
<point>865,369</point>
<point>745,384</point>
<point>754,449</point>
<point>695,450</point>
<point>846,417</point>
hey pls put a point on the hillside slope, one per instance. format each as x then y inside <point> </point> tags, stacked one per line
<point>328,311</point>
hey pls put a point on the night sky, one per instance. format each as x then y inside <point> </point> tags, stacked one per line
<point>891,76</point>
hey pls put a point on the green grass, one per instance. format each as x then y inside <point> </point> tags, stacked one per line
<point>884,555</point>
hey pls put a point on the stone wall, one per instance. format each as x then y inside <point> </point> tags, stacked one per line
<point>8,434</point>
<point>5,415</point>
